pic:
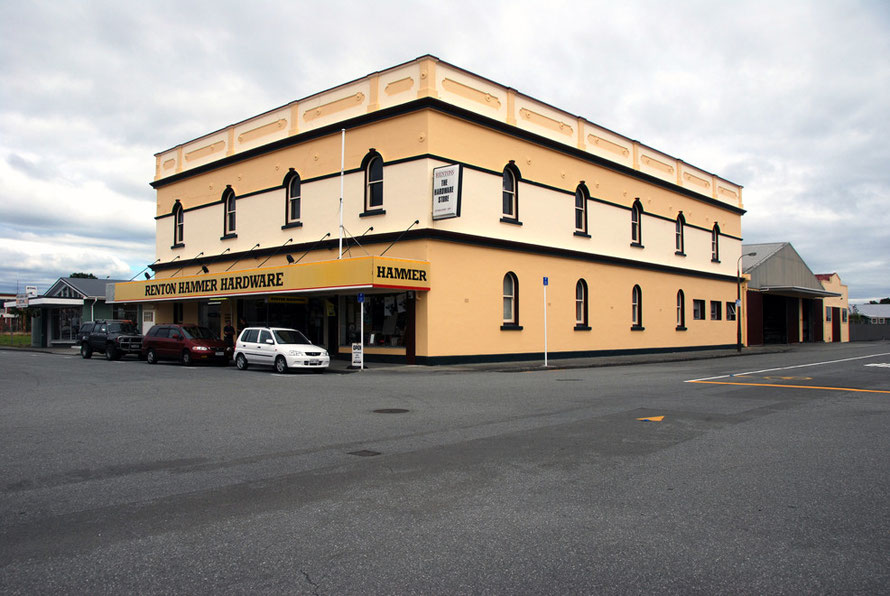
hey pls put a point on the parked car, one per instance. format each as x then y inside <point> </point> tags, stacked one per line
<point>186,343</point>
<point>113,337</point>
<point>279,347</point>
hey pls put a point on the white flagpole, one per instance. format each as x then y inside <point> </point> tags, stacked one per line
<point>342,166</point>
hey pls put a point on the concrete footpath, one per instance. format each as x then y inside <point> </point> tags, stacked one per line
<point>344,366</point>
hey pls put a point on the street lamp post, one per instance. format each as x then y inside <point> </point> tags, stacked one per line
<point>738,300</point>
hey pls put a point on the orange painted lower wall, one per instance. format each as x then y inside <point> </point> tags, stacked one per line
<point>463,313</point>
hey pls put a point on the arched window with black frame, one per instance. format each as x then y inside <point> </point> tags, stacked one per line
<point>715,244</point>
<point>680,235</point>
<point>178,224</point>
<point>372,164</point>
<point>294,207</point>
<point>510,193</point>
<point>637,308</point>
<point>581,299</point>
<point>681,310</point>
<point>582,196</point>
<point>636,224</point>
<point>511,301</point>
<point>228,200</point>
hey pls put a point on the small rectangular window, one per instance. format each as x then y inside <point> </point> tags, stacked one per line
<point>698,310</point>
<point>828,313</point>
<point>716,310</point>
<point>730,311</point>
<point>844,315</point>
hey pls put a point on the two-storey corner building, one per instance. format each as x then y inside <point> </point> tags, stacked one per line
<point>459,196</point>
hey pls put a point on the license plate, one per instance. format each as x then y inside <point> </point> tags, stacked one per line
<point>220,353</point>
<point>314,362</point>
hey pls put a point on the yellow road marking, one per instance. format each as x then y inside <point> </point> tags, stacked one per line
<point>788,378</point>
<point>792,386</point>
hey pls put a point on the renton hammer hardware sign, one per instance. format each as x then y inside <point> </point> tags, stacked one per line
<point>358,272</point>
<point>222,284</point>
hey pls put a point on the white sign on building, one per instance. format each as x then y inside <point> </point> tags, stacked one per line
<point>446,191</point>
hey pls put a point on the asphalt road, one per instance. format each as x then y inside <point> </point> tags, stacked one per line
<point>769,474</point>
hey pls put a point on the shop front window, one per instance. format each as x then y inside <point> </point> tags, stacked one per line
<point>386,320</point>
<point>64,324</point>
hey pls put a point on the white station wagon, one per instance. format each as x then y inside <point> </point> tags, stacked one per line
<point>278,347</point>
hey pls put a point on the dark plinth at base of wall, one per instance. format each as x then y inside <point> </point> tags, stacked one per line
<point>492,358</point>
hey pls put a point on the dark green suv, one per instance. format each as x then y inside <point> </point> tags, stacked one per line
<point>113,338</point>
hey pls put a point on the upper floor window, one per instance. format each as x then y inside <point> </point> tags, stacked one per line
<point>511,299</point>
<point>373,166</point>
<point>294,205</point>
<point>637,308</point>
<point>510,195</point>
<point>715,244</point>
<point>581,197</point>
<point>178,224</point>
<point>636,224</point>
<point>581,305</point>
<point>681,310</point>
<point>229,211</point>
<point>680,239</point>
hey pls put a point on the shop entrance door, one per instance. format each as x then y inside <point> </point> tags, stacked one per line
<point>208,316</point>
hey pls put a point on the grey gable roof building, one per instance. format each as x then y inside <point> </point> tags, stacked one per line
<point>777,268</point>
<point>84,287</point>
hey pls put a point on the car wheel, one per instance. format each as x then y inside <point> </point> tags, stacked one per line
<point>110,352</point>
<point>151,357</point>
<point>280,365</point>
<point>187,358</point>
<point>85,352</point>
<point>241,362</point>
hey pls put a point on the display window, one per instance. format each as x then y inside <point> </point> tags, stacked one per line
<point>386,320</point>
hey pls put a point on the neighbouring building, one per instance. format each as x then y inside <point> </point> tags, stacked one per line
<point>69,302</point>
<point>873,314</point>
<point>836,309</point>
<point>787,303</point>
<point>464,203</point>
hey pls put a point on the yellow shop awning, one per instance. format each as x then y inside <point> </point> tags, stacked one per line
<point>360,273</point>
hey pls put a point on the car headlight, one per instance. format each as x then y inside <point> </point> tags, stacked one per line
<point>295,353</point>
<point>201,349</point>
<point>324,352</point>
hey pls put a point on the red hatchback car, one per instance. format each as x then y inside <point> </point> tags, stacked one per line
<point>187,343</point>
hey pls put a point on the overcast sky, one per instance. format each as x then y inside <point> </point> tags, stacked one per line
<point>789,99</point>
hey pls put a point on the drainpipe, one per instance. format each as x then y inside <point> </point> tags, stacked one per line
<point>93,309</point>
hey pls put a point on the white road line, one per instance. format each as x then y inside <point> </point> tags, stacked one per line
<point>757,372</point>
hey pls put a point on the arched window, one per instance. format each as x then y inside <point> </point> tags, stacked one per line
<point>680,235</point>
<point>511,300</point>
<point>636,224</point>
<point>681,310</point>
<point>637,307</point>
<point>715,244</point>
<point>581,198</point>
<point>581,305</point>
<point>510,195</point>
<point>292,184</point>
<point>178,224</point>
<point>373,166</point>
<point>228,211</point>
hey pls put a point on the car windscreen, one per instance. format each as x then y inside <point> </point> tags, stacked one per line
<point>290,336</point>
<point>198,333</point>
<point>122,328</point>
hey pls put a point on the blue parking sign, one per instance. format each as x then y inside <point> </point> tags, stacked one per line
<point>361,297</point>
<point>546,281</point>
